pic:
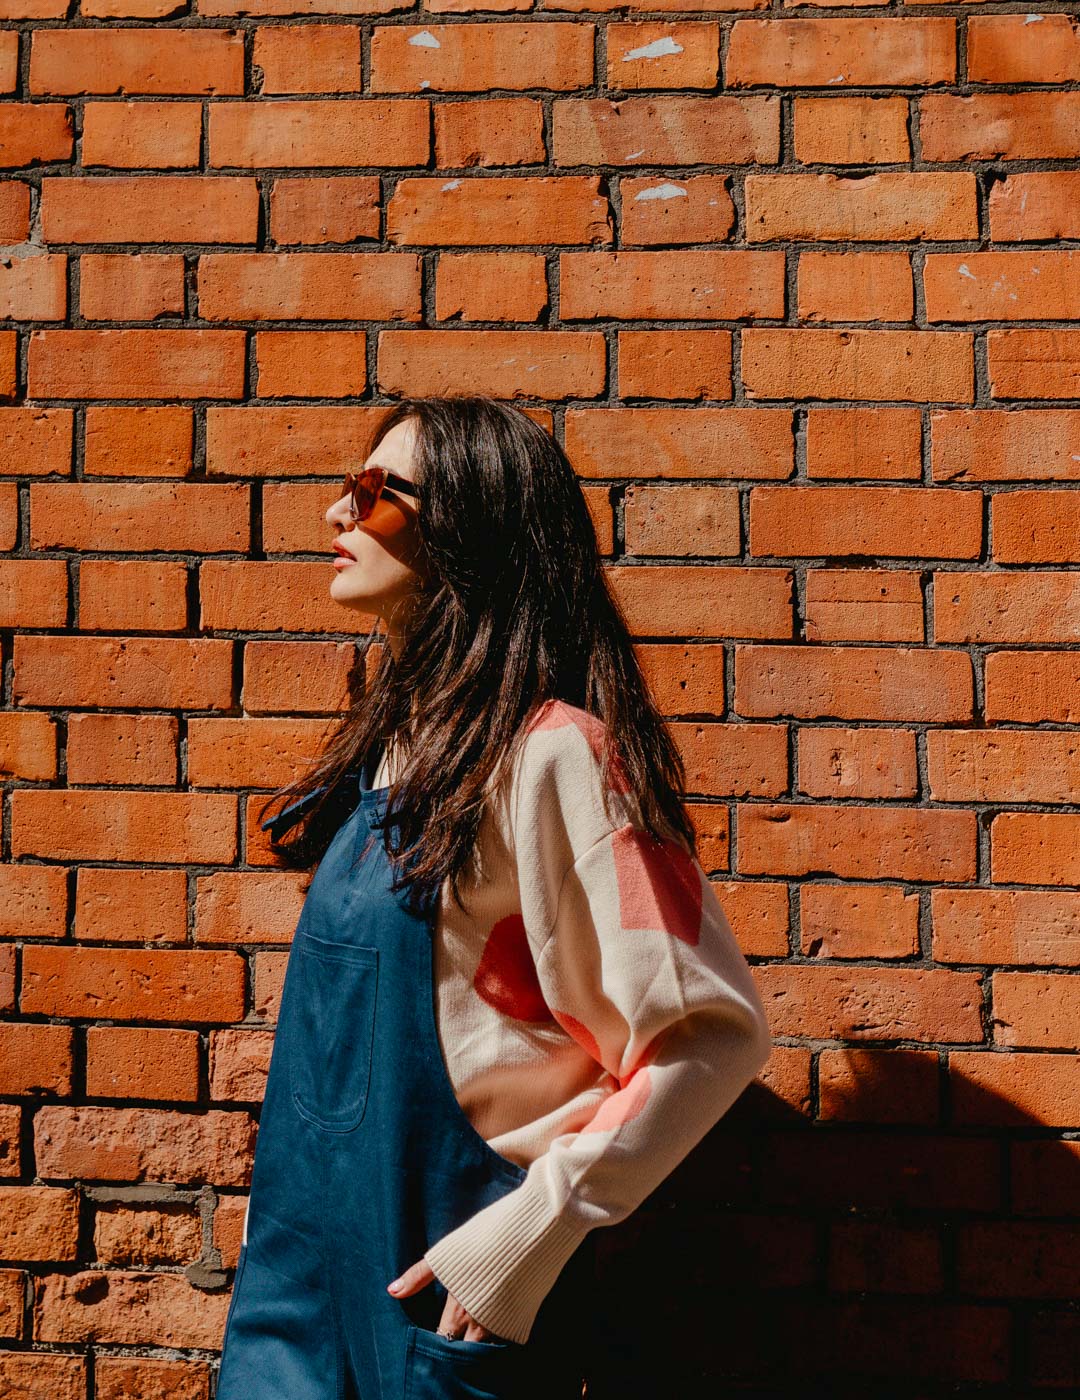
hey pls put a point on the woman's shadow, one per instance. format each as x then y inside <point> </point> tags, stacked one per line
<point>919,1239</point>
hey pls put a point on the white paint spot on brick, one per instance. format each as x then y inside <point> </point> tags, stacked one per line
<point>425,40</point>
<point>425,82</point>
<point>1033,19</point>
<point>966,271</point>
<point>840,77</point>
<point>657,49</point>
<point>664,191</point>
<point>450,185</point>
<point>633,155</point>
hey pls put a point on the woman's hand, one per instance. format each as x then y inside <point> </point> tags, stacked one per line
<point>455,1321</point>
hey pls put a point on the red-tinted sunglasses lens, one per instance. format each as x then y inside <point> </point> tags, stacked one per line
<point>364,489</point>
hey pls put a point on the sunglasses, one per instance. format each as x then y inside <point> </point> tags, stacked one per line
<point>365,487</point>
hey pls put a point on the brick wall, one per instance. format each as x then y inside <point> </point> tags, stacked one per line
<point>797,290</point>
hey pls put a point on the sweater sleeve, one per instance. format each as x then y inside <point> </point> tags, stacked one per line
<point>640,966</point>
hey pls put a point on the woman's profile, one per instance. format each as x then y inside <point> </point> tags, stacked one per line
<point>512,1003</point>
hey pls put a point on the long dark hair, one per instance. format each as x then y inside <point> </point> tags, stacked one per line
<point>513,610</point>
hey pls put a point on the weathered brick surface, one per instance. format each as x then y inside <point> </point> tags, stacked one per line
<point>797,289</point>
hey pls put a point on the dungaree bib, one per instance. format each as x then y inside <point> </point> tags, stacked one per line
<point>364,1158</point>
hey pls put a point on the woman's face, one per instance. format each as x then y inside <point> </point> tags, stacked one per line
<point>382,566</point>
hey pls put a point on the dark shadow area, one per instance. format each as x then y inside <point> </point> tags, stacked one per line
<point>857,1256</point>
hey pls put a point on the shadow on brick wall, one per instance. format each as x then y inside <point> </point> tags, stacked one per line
<point>862,1256</point>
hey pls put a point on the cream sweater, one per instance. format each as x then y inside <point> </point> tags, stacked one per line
<point>595,1013</point>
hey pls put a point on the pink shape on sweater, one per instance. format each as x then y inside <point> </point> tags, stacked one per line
<point>506,976</point>
<point>659,884</point>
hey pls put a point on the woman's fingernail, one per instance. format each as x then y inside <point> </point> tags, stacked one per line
<point>395,1287</point>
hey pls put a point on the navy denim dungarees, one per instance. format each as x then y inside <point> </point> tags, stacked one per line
<point>364,1158</point>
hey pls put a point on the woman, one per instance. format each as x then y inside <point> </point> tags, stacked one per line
<point>512,1002</point>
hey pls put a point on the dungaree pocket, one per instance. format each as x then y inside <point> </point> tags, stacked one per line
<point>331,1030</point>
<point>444,1368</point>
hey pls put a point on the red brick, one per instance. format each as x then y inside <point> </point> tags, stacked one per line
<point>473,57</point>
<point>1041,204</point>
<point>35,441</point>
<point>860,843</point>
<point>1009,286</point>
<point>167,515</point>
<point>716,600</point>
<point>504,286</point>
<point>1014,1089</point>
<point>894,204</point>
<point>679,130</point>
<point>675,444</point>
<point>132,983</point>
<point>676,364</point>
<point>1036,527</point>
<point>995,445</point>
<point>289,677</point>
<point>1035,848</point>
<point>142,1235</point>
<point>309,286</point>
<point>135,1144</point>
<point>489,131</point>
<point>131,286</point>
<point>142,1308</point>
<point>149,208</point>
<point>138,441</point>
<point>324,209</point>
<point>307,58</point>
<point>851,130</point>
<point>239,1063</point>
<point>863,604</point>
<point>1006,926</point>
<point>1034,364</point>
<point>867,443</point>
<point>35,131</point>
<point>123,749</point>
<point>14,211</point>
<point>262,441</point>
<point>681,520</point>
<point>663,54</point>
<point>310,364</point>
<point>252,596</point>
<point>875,1003</point>
<point>250,752</point>
<point>992,125</point>
<point>903,522</point>
<point>122,672</point>
<point>874,921</point>
<point>1036,1010</point>
<point>1006,607</point>
<point>867,763</point>
<point>33,593</point>
<point>898,684</point>
<point>855,287</point>
<point>34,288</point>
<point>346,132</point>
<point>23,1372</point>
<point>142,135</point>
<point>542,210</point>
<point>167,827</point>
<point>1021,48</point>
<point>863,51</point>
<point>105,60</point>
<point>536,364</point>
<point>731,760</point>
<point>35,1059</point>
<point>145,906</point>
<point>142,1062</point>
<point>7,363</point>
<point>39,1222</point>
<point>983,765</point>
<point>1029,686</point>
<point>34,899</point>
<point>238,907</point>
<point>695,284</point>
<point>27,747</point>
<point>666,212</point>
<point>151,364</point>
<point>779,363</point>
<point>130,595</point>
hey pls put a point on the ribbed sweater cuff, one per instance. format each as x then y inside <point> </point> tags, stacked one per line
<point>503,1261</point>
